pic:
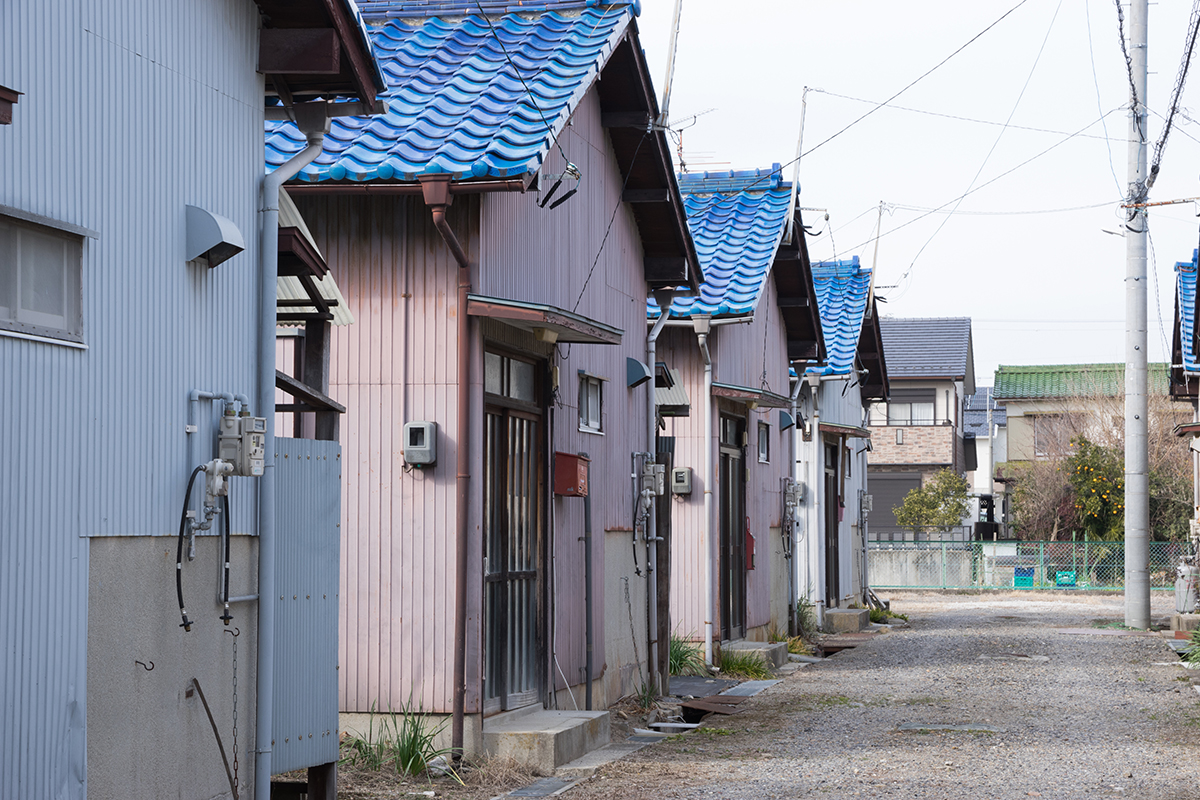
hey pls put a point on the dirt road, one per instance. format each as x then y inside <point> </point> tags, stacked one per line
<point>1045,713</point>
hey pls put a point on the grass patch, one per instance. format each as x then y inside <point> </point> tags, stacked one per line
<point>405,740</point>
<point>685,657</point>
<point>1191,653</point>
<point>646,694</point>
<point>715,731</point>
<point>880,616</point>
<point>744,665</point>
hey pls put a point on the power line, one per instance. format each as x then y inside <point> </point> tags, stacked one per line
<point>1180,79</point>
<point>982,186</point>
<point>1099,105</point>
<point>956,117</point>
<point>995,144</point>
<point>922,77</point>
<point>1024,212</point>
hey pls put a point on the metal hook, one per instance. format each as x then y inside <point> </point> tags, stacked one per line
<point>236,632</point>
<point>144,666</point>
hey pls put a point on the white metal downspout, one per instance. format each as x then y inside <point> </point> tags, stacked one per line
<point>701,326</point>
<point>664,303</point>
<point>816,529</point>
<point>268,272</point>
<point>794,576</point>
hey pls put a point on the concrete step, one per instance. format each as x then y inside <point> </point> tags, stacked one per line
<point>847,620</point>
<point>775,655</point>
<point>545,740</point>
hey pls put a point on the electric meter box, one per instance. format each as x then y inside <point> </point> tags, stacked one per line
<point>242,441</point>
<point>571,475</point>
<point>681,480</point>
<point>420,443</point>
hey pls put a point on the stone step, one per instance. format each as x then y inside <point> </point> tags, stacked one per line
<point>847,620</point>
<point>545,740</point>
<point>775,655</point>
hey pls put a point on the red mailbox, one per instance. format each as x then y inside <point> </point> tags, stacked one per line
<point>571,475</point>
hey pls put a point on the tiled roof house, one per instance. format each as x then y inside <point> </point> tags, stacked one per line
<point>754,315</point>
<point>920,430</point>
<point>495,233</point>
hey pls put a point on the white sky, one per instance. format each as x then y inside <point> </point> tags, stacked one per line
<point>1041,288</point>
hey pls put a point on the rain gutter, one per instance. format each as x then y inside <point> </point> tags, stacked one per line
<point>438,196</point>
<point>701,327</point>
<point>313,121</point>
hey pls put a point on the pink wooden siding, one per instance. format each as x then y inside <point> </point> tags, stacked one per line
<point>398,364</point>
<point>544,256</point>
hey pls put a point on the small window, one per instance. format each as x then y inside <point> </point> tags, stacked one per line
<point>591,403</point>
<point>40,280</point>
<point>764,443</point>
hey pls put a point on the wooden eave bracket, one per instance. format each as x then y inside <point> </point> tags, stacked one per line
<point>303,392</point>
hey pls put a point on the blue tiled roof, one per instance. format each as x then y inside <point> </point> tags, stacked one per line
<point>391,9</point>
<point>842,290</point>
<point>1186,279</point>
<point>455,102</point>
<point>737,220</point>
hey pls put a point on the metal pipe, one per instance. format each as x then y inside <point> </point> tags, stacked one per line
<point>587,584</point>
<point>671,48</point>
<point>1137,482</point>
<point>712,323</point>
<point>267,277</point>
<point>794,452</point>
<point>414,189</point>
<point>437,195</point>
<point>791,220</point>
<point>816,466</point>
<point>701,327</point>
<point>664,303</point>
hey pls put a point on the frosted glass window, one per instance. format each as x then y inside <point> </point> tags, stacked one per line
<point>40,281</point>
<point>591,402</point>
<point>522,382</point>
<point>493,366</point>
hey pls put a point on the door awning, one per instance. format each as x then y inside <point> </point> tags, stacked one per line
<point>760,397</point>
<point>672,400</point>
<point>852,431</point>
<point>548,323</point>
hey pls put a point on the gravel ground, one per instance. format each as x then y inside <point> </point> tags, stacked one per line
<point>1079,716</point>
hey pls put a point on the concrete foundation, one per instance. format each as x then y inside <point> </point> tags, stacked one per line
<point>1185,622</point>
<point>775,655</point>
<point>545,740</point>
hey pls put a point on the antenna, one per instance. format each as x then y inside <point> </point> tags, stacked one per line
<point>787,234</point>
<point>666,101</point>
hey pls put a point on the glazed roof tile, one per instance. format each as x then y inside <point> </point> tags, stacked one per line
<point>1061,381</point>
<point>737,220</point>
<point>468,95</point>
<point>975,415</point>
<point>1186,300</point>
<point>843,288</point>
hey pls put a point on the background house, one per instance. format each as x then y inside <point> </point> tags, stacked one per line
<point>931,370</point>
<point>984,420</point>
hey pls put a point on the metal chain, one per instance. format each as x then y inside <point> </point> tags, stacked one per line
<point>235,741</point>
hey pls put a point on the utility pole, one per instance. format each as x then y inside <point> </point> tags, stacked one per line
<point>1137,479</point>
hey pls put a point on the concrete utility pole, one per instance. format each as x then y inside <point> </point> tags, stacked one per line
<point>1137,478</point>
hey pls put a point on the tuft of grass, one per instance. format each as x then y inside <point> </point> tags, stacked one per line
<point>1192,653</point>
<point>882,615</point>
<point>797,646</point>
<point>806,614</point>
<point>685,656</point>
<point>405,740</point>
<point>744,665</point>
<point>646,694</point>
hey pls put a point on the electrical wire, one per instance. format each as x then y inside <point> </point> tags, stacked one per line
<point>187,623</point>
<point>922,77</point>
<point>1030,212</point>
<point>1087,15</point>
<point>1129,70</point>
<point>980,187</point>
<point>1176,93</point>
<point>611,220</point>
<point>955,117</point>
<point>995,144</point>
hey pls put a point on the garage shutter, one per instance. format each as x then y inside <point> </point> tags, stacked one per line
<point>887,491</point>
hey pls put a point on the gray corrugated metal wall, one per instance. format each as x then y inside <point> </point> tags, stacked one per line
<point>306,634</point>
<point>131,110</point>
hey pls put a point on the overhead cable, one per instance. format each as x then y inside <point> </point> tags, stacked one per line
<point>922,77</point>
<point>1180,79</point>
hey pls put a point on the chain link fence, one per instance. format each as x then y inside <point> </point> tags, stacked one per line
<point>1009,565</point>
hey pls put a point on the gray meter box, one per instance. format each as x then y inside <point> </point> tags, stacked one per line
<point>420,443</point>
<point>681,480</point>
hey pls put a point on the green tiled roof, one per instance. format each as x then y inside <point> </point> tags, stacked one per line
<point>1070,380</point>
